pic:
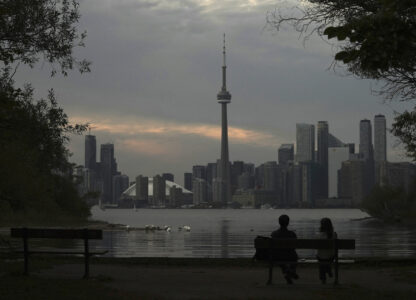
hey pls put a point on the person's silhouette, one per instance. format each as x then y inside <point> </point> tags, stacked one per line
<point>326,256</point>
<point>286,255</point>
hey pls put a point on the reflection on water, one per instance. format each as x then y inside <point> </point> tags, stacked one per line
<point>230,232</point>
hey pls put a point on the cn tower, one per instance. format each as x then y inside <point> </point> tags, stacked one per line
<point>224,97</point>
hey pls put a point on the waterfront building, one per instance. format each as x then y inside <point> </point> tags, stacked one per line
<point>245,181</point>
<point>187,180</point>
<point>199,172</point>
<point>90,152</point>
<point>322,158</point>
<point>159,191</point>
<point>199,191</point>
<point>224,98</point>
<point>380,144</point>
<point>285,153</point>
<point>142,190</point>
<point>305,142</point>
<point>120,184</point>
<point>175,196</point>
<point>211,172</point>
<point>366,145</point>
<point>108,170</point>
<point>270,176</point>
<point>354,181</point>
<point>168,176</point>
<point>336,156</point>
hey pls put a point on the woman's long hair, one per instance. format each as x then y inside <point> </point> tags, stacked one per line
<point>326,226</point>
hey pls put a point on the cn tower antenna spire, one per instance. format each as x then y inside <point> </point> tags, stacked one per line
<point>223,52</point>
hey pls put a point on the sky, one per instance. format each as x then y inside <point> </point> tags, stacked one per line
<point>156,71</point>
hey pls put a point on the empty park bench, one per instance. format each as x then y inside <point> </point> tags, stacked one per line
<point>53,233</point>
<point>265,247</point>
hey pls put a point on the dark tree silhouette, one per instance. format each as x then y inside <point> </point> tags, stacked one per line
<point>35,175</point>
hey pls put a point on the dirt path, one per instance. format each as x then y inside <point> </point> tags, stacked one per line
<point>185,282</point>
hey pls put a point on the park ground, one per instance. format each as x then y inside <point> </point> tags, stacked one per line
<point>164,278</point>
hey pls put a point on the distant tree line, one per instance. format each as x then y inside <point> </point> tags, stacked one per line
<point>36,181</point>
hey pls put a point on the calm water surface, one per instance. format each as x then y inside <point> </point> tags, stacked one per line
<point>230,232</point>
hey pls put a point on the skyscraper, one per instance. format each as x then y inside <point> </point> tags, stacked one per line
<point>285,154</point>
<point>108,169</point>
<point>380,148</point>
<point>168,176</point>
<point>159,191</point>
<point>224,97</point>
<point>366,145</point>
<point>305,142</point>
<point>187,181</point>
<point>323,140</point>
<point>90,152</point>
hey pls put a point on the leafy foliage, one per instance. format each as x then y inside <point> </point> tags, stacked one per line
<point>377,38</point>
<point>389,203</point>
<point>30,29</point>
<point>35,173</point>
<point>36,179</point>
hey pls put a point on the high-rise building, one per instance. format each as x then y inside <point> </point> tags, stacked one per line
<point>199,172</point>
<point>175,196</point>
<point>168,176</point>
<point>211,172</point>
<point>224,98</point>
<point>380,144</point>
<point>120,184</point>
<point>270,176</point>
<point>90,152</point>
<point>187,181</point>
<point>353,181</point>
<point>322,159</point>
<point>199,191</point>
<point>366,144</point>
<point>336,156</point>
<point>305,142</point>
<point>286,153</point>
<point>108,170</point>
<point>159,191</point>
<point>142,189</point>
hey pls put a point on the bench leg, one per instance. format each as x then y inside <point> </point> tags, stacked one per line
<point>87,258</point>
<point>269,281</point>
<point>26,254</point>
<point>336,273</point>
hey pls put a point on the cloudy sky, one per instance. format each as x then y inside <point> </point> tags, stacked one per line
<point>157,69</point>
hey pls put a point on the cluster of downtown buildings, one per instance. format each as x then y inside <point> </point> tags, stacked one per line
<point>322,172</point>
<point>328,173</point>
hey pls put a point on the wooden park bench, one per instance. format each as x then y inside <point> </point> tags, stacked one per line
<point>266,245</point>
<point>52,233</point>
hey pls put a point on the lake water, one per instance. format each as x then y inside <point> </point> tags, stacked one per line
<point>230,232</point>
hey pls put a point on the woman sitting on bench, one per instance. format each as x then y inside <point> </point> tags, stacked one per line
<point>326,256</point>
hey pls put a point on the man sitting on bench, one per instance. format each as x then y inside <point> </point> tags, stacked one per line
<point>287,257</point>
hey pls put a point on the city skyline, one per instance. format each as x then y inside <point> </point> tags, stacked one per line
<point>154,72</point>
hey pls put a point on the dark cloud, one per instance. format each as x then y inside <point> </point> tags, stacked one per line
<point>161,61</point>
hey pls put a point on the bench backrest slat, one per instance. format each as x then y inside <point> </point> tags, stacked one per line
<point>57,233</point>
<point>265,242</point>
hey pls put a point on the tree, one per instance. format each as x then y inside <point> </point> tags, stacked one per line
<point>35,174</point>
<point>30,29</point>
<point>390,203</point>
<point>376,40</point>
